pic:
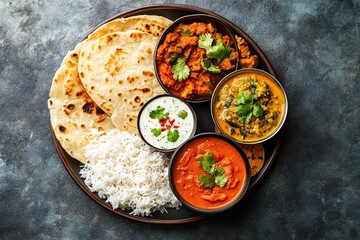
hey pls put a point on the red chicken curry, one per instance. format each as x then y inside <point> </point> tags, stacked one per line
<point>193,59</point>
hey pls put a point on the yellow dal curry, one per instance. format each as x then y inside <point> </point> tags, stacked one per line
<point>249,107</point>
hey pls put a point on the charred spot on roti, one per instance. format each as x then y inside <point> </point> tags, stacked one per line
<point>99,111</point>
<point>82,75</point>
<point>140,58</point>
<point>136,36</point>
<point>79,93</point>
<point>109,38</point>
<point>75,55</point>
<point>143,90</point>
<point>119,50</point>
<point>100,128</point>
<point>62,129</point>
<point>130,119</point>
<point>120,82</point>
<point>100,120</point>
<point>130,79</point>
<point>51,102</point>
<point>99,47</point>
<point>148,73</point>
<point>89,67</point>
<point>88,107</point>
<point>137,99</point>
<point>92,87</point>
<point>149,50</point>
<point>141,104</point>
<point>82,126</point>
<point>70,106</point>
<point>71,64</point>
<point>119,94</point>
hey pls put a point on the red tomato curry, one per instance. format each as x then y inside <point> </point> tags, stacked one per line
<point>186,171</point>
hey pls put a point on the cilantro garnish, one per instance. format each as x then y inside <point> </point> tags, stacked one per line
<point>172,136</point>
<point>158,113</point>
<point>182,114</point>
<point>206,180</point>
<point>207,162</point>
<point>156,131</point>
<point>218,51</point>
<point>207,65</point>
<point>247,108</point>
<point>217,175</point>
<point>180,70</point>
<point>220,177</point>
<point>205,41</point>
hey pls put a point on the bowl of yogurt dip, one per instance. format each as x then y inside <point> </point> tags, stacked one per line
<point>166,121</point>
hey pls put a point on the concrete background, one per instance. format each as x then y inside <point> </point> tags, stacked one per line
<point>312,190</point>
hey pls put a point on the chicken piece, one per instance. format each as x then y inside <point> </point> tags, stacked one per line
<point>251,62</point>
<point>246,59</point>
<point>243,47</point>
<point>195,58</point>
<point>189,89</point>
<point>226,64</point>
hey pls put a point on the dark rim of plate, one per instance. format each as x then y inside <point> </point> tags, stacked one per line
<point>160,96</point>
<point>219,24</point>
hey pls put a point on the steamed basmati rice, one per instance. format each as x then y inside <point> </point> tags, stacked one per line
<point>128,173</point>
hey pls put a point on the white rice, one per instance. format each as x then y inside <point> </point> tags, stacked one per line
<point>127,173</point>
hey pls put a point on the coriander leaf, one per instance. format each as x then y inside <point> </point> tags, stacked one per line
<point>207,65</point>
<point>207,162</point>
<point>172,136</point>
<point>257,110</point>
<point>244,98</point>
<point>224,52</point>
<point>180,70</point>
<point>248,118</point>
<point>243,110</point>
<point>205,41</point>
<point>182,114</point>
<point>206,180</point>
<point>156,131</point>
<point>158,113</point>
<point>221,180</point>
<point>218,51</point>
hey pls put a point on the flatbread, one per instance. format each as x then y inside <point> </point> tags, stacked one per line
<point>152,24</point>
<point>117,71</point>
<point>73,113</point>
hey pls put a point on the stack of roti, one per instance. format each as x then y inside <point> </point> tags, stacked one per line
<point>105,80</point>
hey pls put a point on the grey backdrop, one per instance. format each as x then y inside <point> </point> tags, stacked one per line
<point>312,191</point>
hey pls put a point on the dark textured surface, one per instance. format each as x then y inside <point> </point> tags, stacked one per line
<point>313,189</point>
